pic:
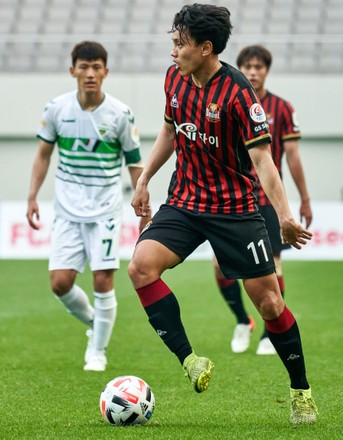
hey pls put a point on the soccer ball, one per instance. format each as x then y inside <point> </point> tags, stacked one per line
<point>127,400</point>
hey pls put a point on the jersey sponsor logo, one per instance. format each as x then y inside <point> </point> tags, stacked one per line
<point>263,126</point>
<point>257,113</point>
<point>190,130</point>
<point>213,112</point>
<point>90,145</point>
<point>68,120</point>
<point>173,102</point>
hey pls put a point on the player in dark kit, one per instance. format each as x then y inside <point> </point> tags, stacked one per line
<point>217,127</point>
<point>254,62</point>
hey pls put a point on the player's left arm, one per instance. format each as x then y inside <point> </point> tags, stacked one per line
<point>296,170</point>
<point>292,232</point>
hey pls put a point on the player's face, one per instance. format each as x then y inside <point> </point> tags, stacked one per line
<point>89,75</point>
<point>186,55</point>
<point>256,72</point>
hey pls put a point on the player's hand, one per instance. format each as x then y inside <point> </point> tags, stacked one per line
<point>140,201</point>
<point>306,212</point>
<point>32,214</point>
<point>294,234</point>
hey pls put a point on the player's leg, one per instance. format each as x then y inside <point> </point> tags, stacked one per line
<point>105,312</point>
<point>101,241</point>
<point>265,347</point>
<point>164,244</point>
<point>66,260</point>
<point>231,292</point>
<point>243,251</point>
<point>284,334</point>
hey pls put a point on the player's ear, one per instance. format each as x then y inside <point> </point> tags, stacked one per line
<point>207,47</point>
<point>72,71</point>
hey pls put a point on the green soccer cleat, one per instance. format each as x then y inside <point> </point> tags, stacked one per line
<point>303,409</point>
<point>198,370</point>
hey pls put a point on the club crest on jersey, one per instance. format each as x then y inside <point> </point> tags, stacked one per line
<point>213,112</point>
<point>174,102</point>
<point>257,113</point>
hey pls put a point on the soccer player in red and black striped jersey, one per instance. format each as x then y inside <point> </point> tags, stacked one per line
<point>216,125</point>
<point>255,61</point>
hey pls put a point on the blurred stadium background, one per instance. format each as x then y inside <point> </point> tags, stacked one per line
<point>36,38</point>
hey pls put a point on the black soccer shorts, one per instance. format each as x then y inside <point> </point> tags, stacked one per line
<point>273,228</point>
<point>240,242</point>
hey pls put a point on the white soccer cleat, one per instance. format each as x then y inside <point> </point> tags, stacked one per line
<point>96,362</point>
<point>265,347</point>
<point>241,336</point>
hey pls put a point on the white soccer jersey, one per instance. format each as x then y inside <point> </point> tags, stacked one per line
<point>91,147</point>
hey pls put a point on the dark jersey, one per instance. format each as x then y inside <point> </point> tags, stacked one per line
<point>283,127</point>
<point>214,127</point>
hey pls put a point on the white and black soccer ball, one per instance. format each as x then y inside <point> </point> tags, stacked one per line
<point>127,400</point>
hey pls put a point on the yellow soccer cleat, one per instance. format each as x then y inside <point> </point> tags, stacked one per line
<point>199,371</point>
<point>303,409</point>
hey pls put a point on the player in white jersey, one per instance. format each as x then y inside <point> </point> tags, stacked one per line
<point>95,133</point>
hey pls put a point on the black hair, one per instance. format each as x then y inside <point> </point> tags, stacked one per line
<point>89,50</point>
<point>202,22</point>
<point>256,51</point>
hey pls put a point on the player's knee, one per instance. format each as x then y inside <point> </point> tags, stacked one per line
<point>135,270</point>
<point>103,280</point>
<point>141,273</point>
<point>60,285</point>
<point>271,306</point>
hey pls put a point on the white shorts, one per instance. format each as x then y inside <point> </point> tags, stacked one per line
<point>72,244</point>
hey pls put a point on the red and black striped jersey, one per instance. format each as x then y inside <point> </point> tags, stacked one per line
<point>214,127</point>
<point>283,126</point>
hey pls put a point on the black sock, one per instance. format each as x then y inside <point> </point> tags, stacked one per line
<point>165,317</point>
<point>233,297</point>
<point>289,348</point>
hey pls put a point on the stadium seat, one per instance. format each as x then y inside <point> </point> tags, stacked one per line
<point>139,29</point>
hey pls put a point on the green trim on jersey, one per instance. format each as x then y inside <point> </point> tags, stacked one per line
<point>132,157</point>
<point>118,165</point>
<point>89,156</point>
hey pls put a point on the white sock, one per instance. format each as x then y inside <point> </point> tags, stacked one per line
<point>105,312</point>
<point>77,303</point>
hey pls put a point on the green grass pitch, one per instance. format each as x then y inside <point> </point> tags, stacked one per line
<point>45,394</point>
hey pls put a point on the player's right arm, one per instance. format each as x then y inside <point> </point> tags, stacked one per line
<point>39,171</point>
<point>161,151</point>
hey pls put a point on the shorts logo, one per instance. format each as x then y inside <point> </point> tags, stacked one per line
<point>213,112</point>
<point>146,226</point>
<point>174,102</point>
<point>257,113</point>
